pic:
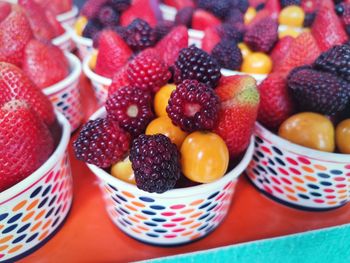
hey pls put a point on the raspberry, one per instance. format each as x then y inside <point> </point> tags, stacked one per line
<point>140,35</point>
<point>318,91</point>
<point>231,32</point>
<point>101,142</point>
<point>263,35</point>
<point>285,3</point>
<point>219,8</point>
<point>194,63</point>
<point>163,28</point>
<point>309,19</point>
<point>228,55</point>
<point>119,5</point>
<point>107,16</point>
<point>148,72</point>
<point>184,16</point>
<point>156,163</point>
<point>92,28</point>
<point>336,60</point>
<point>131,108</point>
<point>193,106</point>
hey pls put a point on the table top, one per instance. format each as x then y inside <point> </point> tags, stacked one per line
<point>89,235</point>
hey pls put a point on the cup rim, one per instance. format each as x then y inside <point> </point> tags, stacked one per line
<point>298,149</point>
<point>228,72</point>
<point>92,75</point>
<point>174,193</point>
<point>17,189</point>
<point>68,15</point>
<point>75,71</point>
<point>80,39</point>
<point>59,40</point>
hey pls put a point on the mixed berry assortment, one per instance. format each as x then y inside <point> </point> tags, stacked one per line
<point>170,117</point>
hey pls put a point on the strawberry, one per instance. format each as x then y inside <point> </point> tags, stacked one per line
<point>15,33</point>
<point>274,8</point>
<point>276,105</point>
<point>41,27</point>
<point>14,84</point>
<point>328,29</point>
<point>202,19</point>
<point>303,50</point>
<point>45,64</point>
<point>113,54</point>
<point>170,46</point>
<point>239,108</point>
<point>309,6</point>
<point>56,26</point>
<point>211,39</point>
<point>280,50</point>
<point>91,8</point>
<point>142,9</point>
<point>5,10</point>
<point>56,6</point>
<point>25,142</point>
<point>179,4</point>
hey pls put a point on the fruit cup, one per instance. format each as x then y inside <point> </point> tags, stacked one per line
<point>34,209</point>
<point>175,217</point>
<point>83,44</point>
<point>68,18</point>
<point>99,83</point>
<point>64,41</point>
<point>297,176</point>
<point>65,95</point>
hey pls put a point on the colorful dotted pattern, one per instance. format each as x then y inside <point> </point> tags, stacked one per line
<point>28,218</point>
<point>67,101</point>
<point>101,92</point>
<point>167,221</point>
<point>298,180</point>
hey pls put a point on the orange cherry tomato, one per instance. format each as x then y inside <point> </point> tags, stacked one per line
<point>343,136</point>
<point>257,63</point>
<point>123,171</point>
<point>292,16</point>
<point>161,99</point>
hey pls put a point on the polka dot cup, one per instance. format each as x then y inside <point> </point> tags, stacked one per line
<point>175,217</point>
<point>299,176</point>
<point>32,210</point>
<point>64,41</point>
<point>99,83</point>
<point>65,95</point>
<point>68,18</point>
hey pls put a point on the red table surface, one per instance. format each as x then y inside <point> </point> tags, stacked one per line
<point>89,235</point>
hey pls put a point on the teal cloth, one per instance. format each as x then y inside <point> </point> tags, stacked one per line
<point>329,245</point>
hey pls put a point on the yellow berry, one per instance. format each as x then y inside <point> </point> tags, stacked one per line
<point>123,171</point>
<point>161,99</point>
<point>343,136</point>
<point>245,50</point>
<point>80,25</point>
<point>249,15</point>
<point>93,59</point>
<point>292,16</point>
<point>164,125</point>
<point>289,31</point>
<point>257,63</point>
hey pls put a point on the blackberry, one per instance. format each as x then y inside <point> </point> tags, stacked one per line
<point>92,28</point>
<point>156,163</point>
<point>230,32</point>
<point>194,63</point>
<point>121,31</point>
<point>101,142</point>
<point>193,106</point>
<point>339,9</point>
<point>131,107</point>
<point>107,16</point>
<point>119,5</point>
<point>318,91</point>
<point>228,55</point>
<point>163,28</point>
<point>241,5</point>
<point>235,16</point>
<point>335,60</point>
<point>184,16</point>
<point>140,35</point>
<point>285,3</point>
<point>219,8</point>
<point>309,19</point>
<point>260,6</point>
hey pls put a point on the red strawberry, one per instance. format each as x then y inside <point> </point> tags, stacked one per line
<point>202,19</point>
<point>15,33</point>
<point>25,142</point>
<point>328,29</point>
<point>211,39</point>
<point>139,9</point>
<point>14,84</point>
<point>44,64</point>
<point>179,4</point>
<point>5,10</point>
<point>119,80</point>
<point>280,50</point>
<point>56,6</point>
<point>276,105</point>
<point>113,54</point>
<point>56,26</point>
<point>170,46</point>
<point>303,50</point>
<point>41,27</point>
<point>274,7</point>
<point>91,8</point>
<point>239,108</point>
